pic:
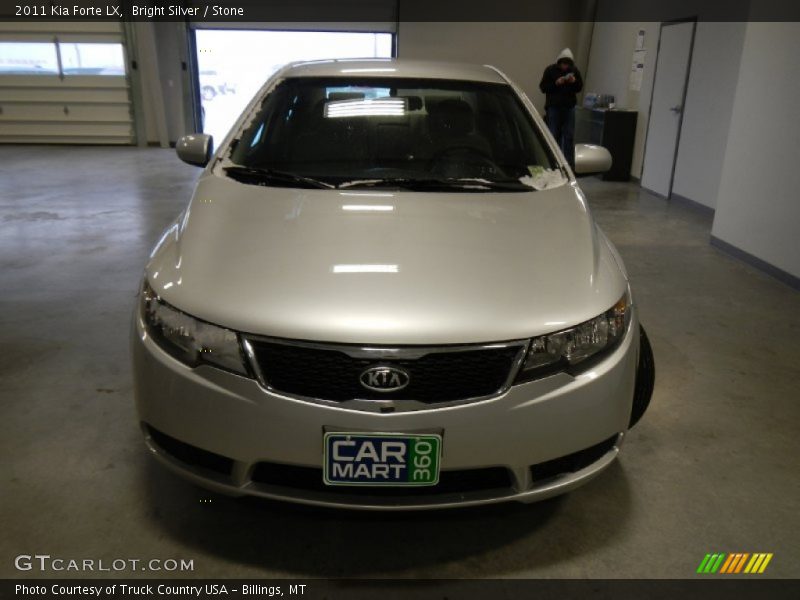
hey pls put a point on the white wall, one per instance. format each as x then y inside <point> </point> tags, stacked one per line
<point>707,112</point>
<point>610,60</point>
<point>709,97</point>
<point>521,50</point>
<point>758,204</point>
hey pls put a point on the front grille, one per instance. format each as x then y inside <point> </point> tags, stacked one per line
<point>450,482</point>
<point>442,375</point>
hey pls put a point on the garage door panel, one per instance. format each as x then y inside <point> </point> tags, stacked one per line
<point>88,82</point>
<point>97,38</point>
<point>65,95</point>
<point>83,97</point>
<point>72,139</point>
<point>64,112</point>
<point>65,130</point>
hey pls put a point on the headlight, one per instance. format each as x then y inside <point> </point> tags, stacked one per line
<point>187,339</point>
<point>563,350</point>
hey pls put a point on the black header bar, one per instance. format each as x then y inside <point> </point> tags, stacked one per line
<point>276,11</point>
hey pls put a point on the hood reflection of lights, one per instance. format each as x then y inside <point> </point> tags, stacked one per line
<point>370,194</point>
<point>368,207</point>
<point>366,268</point>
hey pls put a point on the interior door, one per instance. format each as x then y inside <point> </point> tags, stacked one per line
<point>666,107</point>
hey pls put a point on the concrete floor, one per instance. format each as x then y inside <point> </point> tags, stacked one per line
<point>712,467</point>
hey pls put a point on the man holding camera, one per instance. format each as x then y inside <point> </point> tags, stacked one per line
<point>561,83</point>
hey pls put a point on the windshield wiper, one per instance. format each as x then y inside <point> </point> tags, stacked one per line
<point>513,185</point>
<point>462,184</point>
<point>263,175</point>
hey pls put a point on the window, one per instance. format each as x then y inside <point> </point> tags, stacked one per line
<point>28,58</point>
<point>92,59</point>
<point>41,58</point>
<point>341,130</point>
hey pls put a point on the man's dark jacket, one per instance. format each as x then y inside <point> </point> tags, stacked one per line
<point>560,96</point>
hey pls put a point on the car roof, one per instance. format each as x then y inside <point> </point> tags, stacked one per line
<point>393,67</point>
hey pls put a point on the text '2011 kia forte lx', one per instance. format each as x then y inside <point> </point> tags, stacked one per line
<point>388,292</point>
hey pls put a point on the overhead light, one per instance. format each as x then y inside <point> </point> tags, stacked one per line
<point>366,268</point>
<point>378,107</point>
<point>368,207</point>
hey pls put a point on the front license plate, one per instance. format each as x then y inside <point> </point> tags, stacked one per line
<point>382,459</point>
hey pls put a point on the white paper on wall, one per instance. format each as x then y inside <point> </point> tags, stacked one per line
<point>640,40</point>
<point>637,70</point>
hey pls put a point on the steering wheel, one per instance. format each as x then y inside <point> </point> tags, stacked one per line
<point>463,161</point>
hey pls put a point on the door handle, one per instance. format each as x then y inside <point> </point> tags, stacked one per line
<point>676,109</point>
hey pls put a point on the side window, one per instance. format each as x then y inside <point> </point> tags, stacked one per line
<point>28,58</point>
<point>92,59</point>
<point>42,58</point>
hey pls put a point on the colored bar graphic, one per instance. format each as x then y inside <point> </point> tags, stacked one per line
<point>740,564</point>
<point>727,563</point>
<point>710,564</point>
<point>734,563</point>
<point>703,563</point>
<point>754,562</point>
<point>718,562</point>
<point>764,564</point>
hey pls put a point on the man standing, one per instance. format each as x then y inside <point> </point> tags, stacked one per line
<point>561,82</point>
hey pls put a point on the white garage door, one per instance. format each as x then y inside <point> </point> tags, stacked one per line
<point>64,82</point>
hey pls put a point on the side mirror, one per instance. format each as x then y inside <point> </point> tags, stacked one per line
<point>591,159</point>
<point>195,149</point>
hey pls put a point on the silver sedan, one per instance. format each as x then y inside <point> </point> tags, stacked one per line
<point>388,292</point>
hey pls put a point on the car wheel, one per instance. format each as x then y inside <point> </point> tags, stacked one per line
<point>645,379</point>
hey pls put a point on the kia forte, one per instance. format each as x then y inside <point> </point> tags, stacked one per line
<point>388,292</point>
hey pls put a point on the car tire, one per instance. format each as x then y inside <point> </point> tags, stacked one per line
<point>645,379</point>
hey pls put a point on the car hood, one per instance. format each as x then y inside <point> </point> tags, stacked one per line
<point>382,266</point>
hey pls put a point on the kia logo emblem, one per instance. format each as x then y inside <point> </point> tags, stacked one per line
<point>385,379</point>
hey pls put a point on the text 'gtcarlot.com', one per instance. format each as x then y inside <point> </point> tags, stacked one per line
<point>45,562</point>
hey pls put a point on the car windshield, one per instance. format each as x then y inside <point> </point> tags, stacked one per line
<point>338,132</point>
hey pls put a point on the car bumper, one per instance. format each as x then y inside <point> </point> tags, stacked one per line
<point>220,430</point>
